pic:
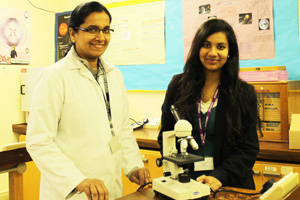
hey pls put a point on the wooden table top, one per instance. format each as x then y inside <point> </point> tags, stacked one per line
<point>11,159</point>
<point>149,194</point>
<point>269,150</point>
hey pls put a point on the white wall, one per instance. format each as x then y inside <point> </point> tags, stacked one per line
<point>42,54</point>
<point>145,104</point>
<point>69,5</point>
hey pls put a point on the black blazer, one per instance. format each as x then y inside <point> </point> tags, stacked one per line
<point>232,163</point>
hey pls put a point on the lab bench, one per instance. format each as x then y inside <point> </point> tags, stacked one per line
<point>274,159</point>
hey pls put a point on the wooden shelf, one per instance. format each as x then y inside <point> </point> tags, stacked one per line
<point>147,138</point>
<point>278,151</point>
<point>20,128</point>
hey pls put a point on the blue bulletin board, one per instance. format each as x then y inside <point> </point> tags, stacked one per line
<point>157,77</point>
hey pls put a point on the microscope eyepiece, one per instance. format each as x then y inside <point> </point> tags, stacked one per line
<point>174,113</point>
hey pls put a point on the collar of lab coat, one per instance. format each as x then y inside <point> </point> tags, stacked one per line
<point>73,53</point>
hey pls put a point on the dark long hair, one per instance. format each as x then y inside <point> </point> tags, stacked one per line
<point>193,79</point>
<point>80,13</point>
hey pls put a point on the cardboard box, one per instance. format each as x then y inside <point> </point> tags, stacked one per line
<point>264,76</point>
<point>294,133</point>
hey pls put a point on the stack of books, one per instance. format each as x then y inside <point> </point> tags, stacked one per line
<point>264,74</point>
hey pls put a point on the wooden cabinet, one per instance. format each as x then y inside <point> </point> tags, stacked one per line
<point>257,176</point>
<point>264,171</point>
<point>293,97</point>
<point>31,179</point>
<point>149,158</point>
<point>272,105</point>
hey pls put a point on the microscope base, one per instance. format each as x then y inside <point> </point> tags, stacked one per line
<point>180,191</point>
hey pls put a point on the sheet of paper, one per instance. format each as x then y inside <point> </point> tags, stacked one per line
<point>252,21</point>
<point>15,36</point>
<point>139,36</point>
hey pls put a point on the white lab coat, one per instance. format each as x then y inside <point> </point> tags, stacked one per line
<point>68,131</point>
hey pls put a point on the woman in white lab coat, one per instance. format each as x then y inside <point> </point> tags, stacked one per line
<point>79,134</point>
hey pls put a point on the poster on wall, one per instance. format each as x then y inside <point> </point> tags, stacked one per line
<point>61,34</point>
<point>251,20</point>
<point>139,33</point>
<point>15,37</point>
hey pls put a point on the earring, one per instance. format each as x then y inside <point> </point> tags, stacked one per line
<point>228,56</point>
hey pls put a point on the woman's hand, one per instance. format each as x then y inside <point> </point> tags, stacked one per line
<point>140,176</point>
<point>94,189</point>
<point>211,181</point>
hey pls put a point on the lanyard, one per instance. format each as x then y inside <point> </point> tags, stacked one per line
<point>203,132</point>
<point>107,104</point>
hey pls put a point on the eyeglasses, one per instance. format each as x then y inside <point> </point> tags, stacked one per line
<point>95,30</point>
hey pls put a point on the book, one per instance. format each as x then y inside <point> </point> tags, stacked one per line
<point>264,76</point>
<point>268,68</point>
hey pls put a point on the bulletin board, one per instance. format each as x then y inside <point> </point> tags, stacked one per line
<point>157,76</point>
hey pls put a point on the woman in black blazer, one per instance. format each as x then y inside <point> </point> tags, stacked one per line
<point>210,88</point>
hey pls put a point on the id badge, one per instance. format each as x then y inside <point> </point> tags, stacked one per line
<point>115,144</point>
<point>206,165</point>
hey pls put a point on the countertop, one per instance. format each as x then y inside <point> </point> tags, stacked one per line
<point>149,194</point>
<point>277,151</point>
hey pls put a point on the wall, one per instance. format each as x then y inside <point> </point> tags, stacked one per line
<point>145,104</point>
<point>42,54</point>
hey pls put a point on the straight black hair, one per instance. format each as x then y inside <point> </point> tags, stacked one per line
<point>193,80</point>
<point>83,10</point>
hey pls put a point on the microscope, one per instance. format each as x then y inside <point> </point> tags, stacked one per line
<point>176,182</point>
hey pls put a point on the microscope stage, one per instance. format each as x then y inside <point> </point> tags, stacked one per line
<point>180,160</point>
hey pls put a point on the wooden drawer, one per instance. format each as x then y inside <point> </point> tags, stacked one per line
<point>149,158</point>
<point>264,171</point>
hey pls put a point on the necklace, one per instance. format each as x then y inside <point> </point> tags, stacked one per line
<point>209,97</point>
